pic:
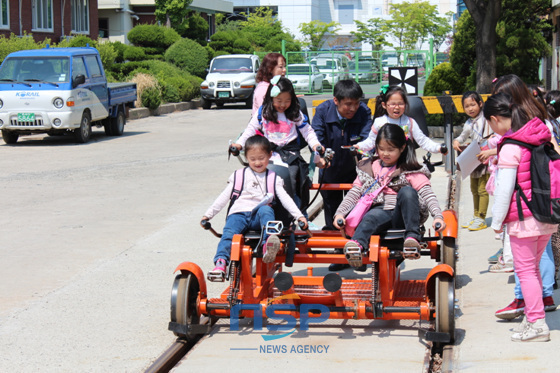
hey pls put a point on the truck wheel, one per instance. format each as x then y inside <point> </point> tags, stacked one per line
<point>205,103</point>
<point>83,133</point>
<point>117,124</point>
<point>219,104</point>
<point>249,102</point>
<point>10,137</point>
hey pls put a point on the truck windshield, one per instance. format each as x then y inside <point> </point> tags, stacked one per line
<point>35,69</point>
<point>231,64</point>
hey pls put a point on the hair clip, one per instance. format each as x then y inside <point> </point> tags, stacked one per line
<point>494,80</point>
<point>275,91</point>
<point>384,89</point>
<point>552,102</point>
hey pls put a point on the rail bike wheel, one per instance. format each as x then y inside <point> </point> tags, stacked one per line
<point>445,305</point>
<point>184,295</point>
<point>448,255</point>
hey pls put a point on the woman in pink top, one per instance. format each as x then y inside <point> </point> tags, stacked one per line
<point>272,64</point>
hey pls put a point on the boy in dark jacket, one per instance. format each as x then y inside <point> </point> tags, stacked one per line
<point>342,121</point>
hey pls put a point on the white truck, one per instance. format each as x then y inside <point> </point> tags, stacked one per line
<point>231,78</point>
<point>60,90</point>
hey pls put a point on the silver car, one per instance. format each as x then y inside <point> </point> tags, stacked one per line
<point>305,78</point>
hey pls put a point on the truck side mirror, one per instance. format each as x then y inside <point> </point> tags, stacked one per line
<point>79,79</point>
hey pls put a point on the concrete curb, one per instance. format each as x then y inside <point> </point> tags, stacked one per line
<point>143,112</point>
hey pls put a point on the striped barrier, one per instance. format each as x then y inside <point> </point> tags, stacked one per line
<point>448,104</point>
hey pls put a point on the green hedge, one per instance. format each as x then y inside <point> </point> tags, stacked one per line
<point>444,78</point>
<point>153,36</point>
<point>188,55</point>
<point>151,98</point>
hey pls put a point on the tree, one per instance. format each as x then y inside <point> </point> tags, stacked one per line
<point>372,32</point>
<point>485,14</point>
<point>195,27</point>
<point>521,41</point>
<point>261,26</point>
<point>315,31</point>
<point>412,23</point>
<point>172,13</point>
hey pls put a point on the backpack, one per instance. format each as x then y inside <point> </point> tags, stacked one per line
<point>239,180</point>
<point>545,183</point>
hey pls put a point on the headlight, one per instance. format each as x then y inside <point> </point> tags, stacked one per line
<point>1,104</point>
<point>211,84</point>
<point>236,85</point>
<point>58,103</point>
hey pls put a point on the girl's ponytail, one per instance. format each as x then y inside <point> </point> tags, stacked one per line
<point>501,104</point>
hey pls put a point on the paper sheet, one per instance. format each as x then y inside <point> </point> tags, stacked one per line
<point>468,160</point>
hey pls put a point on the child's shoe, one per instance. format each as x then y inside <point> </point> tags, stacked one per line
<point>411,248</point>
<point>468,222</point>
<point>549,304</point>
<point>533,332</point>
<point>520,327</point>
<point>218,274</point>
<point>478,224</point>
<point>513,310</point>
<point>353,252</point>
<point>494,258</point>
<point>501,267</point>
<point>271,248</point>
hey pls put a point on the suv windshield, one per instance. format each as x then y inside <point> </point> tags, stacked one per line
<point>35,69</point>
<point>231,64</point>
<point>299,70</point>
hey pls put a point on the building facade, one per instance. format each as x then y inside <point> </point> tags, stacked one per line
<point>118,17</point>
<point>52,19</point>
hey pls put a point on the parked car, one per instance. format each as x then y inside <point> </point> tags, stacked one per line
<point>389,59</point>
<point>60,90</point>
<point>362,71</point>
<point>334,67</point>
<point>305,77</point>
<point>231,78</point>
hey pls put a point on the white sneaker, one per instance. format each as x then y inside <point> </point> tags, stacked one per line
<point>520,327</point>
<point>468,222</point>
<point>533,332</point>
<point>477,225</point>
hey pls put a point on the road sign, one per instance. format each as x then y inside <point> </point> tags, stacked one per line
<point>406,77</point>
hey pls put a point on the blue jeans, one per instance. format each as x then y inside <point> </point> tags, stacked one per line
<point>240,223</point>
<point>547,269</point>
<point>405,215</point>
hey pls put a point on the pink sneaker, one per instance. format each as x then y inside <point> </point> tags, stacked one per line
<point>218,274</point>
<point>271,248</point>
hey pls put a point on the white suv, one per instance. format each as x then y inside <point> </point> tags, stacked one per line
<point>231,78</point>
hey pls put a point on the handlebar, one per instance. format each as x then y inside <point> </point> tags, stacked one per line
<point>340,222</point>
<point>206,225</point>
<point>437,226</point>
<point>234,151</point>
<point>444,149</point>
<point>304,227</point>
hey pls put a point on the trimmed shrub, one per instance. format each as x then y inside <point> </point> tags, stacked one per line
<point>170,93</point>
<point>151,98</point>
<point>119,48</point>
<point>223,41</point>
<point>242,46</point>
<point>210,52</point>
<point>15,43</point>
<point>152,36</point>
<point>189,55</point>
<point>134,54</point>
<point>107,53</point>
<point>444,78</point>
<point>195,28</point>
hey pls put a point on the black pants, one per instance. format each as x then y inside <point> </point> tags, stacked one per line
<point>405,215</point>
<point>331,201</point>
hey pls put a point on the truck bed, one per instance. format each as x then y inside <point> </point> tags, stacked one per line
<point>121,93</point>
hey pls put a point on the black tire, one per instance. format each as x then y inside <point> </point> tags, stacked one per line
<point>206,104</point>
<point>183,302</point>
<point>445,305</point>
<point>10,137</point>
<point>219,104</point>
<point>249,102</point>
<point>83,133</point>
<point>107,126</point>
<point>117,124</point>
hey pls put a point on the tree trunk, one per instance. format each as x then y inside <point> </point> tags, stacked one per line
<point>485,16</point>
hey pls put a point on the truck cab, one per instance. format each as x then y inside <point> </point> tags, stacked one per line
<point>58,90</point>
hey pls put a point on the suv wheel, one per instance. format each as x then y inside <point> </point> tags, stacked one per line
<point>206,104</point>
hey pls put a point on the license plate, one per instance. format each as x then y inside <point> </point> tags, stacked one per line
<point>223,94</point>
<point>26,117</point>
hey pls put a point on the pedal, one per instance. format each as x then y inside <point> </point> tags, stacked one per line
<point>274,227</point>
<point>411,253</point>
<point>216,276</point>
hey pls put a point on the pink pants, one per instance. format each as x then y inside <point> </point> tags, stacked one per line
<point>527,254</point>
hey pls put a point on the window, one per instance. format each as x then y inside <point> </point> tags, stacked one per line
<point>93,66</point>
<point>80,16</point>
<point>103,27</point>
<point>346,14</point>
<point>42,15</point>
<point>4,14</point>
<point>78,67</point>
